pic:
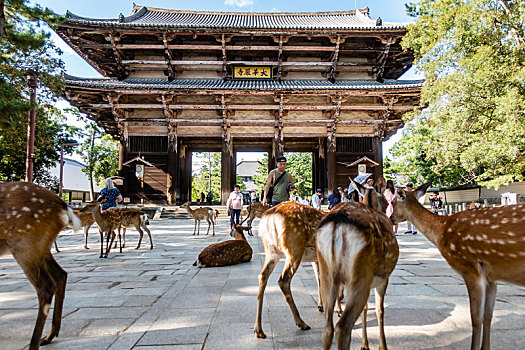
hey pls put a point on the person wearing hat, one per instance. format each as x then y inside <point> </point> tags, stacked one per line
<point>317,198</point>
<point>280,180</point>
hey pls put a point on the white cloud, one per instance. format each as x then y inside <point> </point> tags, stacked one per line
<point>239,3</point>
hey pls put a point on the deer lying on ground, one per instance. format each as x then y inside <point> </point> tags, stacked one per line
<point>356,248</point>
<point>137,219</point>
<point>30,219</point>
<point>107,221</point>
<point>255,210</point>
<point>227,253</point>
<point>289,229</point>
<point>484,246</point>
<point>204,213</point>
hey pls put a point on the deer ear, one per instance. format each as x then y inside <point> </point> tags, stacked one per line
<point>421,190</point>
<point>380,185</point>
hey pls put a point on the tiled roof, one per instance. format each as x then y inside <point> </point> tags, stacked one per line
<point>219,84</point>
<point>143,16</point>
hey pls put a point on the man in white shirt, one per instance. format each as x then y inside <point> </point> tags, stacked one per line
<point>234,204</point>
<point>317,199</point>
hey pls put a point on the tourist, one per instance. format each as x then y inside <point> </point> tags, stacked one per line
<point>111,194</point>
<point>411,229</point>
<point>234,205</point>
<point>277,183</point>
<point>198,197</point>
<point>209,197</point>
<point>390,194</point>
<point>317,198</point>
<point>334,198</point>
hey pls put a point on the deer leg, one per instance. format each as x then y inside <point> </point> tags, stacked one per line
<point>141,234</point>
<point>340,297</point>
<point>101,244</point>
<point>490,299</point>
<point>250,226</point>
<point>285,282</point>
<point>358,292</point>
<point>213,223</point>
<point>86,229</point>
<point>119,241</point>
<point>315,266</point>
<point>269,264</point>
<point>56,247</point>
<point>380,292</point>
<point>108,246</point>
<point>209,225</point>
<point>327,292</point>
<point>476,291</point>
<point>36,273</point>
<point>123,237</point>
<point>364,334</point>
<point>60,278</point>
<point>195,227</point>
<point>149,234</point>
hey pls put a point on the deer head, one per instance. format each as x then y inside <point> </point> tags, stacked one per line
<point>404,198</point>
<point>371,197</point>
<point>91,207</point>
<point>237,231</point>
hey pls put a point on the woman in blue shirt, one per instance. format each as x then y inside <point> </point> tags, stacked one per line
<point>111,193</point>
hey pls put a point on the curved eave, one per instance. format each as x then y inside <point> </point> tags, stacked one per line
<point>242,85</point>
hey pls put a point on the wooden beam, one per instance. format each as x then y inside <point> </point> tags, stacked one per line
<point>335,58</point>
<point>172,72</point>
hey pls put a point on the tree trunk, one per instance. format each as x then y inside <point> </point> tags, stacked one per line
<point>2,19</point>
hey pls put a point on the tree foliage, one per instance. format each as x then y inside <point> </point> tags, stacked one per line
<point>210,165</point>
<point>25,45</point>
<point>472,53</point>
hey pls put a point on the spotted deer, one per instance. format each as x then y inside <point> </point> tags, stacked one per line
<point>204,213</point>
<point>484,246</point>
<point>227,253</point>
<point>356,248</point>
<point>286,229</point>
<point>137,219</point>
<point>255,210</point>
<point>86,221</point>
<point>30,219</point>
<point>107,221</point>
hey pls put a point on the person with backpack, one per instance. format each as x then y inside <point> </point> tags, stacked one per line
<point>278,184</point>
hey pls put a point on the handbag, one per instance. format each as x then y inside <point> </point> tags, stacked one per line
<point>269,195</point>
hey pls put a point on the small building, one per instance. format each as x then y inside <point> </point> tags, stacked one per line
<point>246,169</point>
<point>75,182</point>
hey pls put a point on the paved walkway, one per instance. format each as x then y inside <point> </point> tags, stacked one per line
<point>155,299</point>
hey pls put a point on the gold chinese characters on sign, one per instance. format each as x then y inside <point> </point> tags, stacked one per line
<point>253,72</point>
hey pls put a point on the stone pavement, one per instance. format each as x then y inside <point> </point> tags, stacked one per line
<point>155,299</point>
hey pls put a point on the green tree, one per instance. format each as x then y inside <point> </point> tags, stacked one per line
<point>472,53</point>
<point>25,45</point>
<point>99,155</point>
<point>208,174</point>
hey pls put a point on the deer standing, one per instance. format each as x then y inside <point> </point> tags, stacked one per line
<point>484,246</point>
<point>255,210</point>
<point>204,213</point>
<point>137,219</point>
<point>227,253</point>
<point>86,221</point>
<point>356,248</point>
<point>30,219</point>
<point>289,229</point>
<point>107,221</point>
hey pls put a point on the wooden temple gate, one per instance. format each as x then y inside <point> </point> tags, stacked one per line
<point>179,82</point>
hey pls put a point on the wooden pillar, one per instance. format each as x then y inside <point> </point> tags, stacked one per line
<point>184,173</point>
<point>331,166</point>
<point>123,170</point>
<point>172,183</point>
<point>378,155</point>
<point>227,169</point>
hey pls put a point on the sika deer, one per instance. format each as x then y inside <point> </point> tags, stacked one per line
<point>356,248</point>
<point>484,246</point>
<point>30,219</point>
<point>107,221</point>
<point>137,219</point>
<point>288,229</point>
<point>86,221</point>
<point>227,253</point>
<point>204,213</point>
<point>255,210</point>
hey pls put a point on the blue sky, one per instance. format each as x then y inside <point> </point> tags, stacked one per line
<point>388,10</point>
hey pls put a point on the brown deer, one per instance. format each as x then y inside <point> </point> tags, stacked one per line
<point>289,229</point>
<point>484,246</point>
<point>255,210</point>
<point>30,219</point>
<point>86,221</point>
<point>204,213</point>
<point>137,219</point>
<point>356,248</point>
<point>227,253</point>
<point>107,221</point>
